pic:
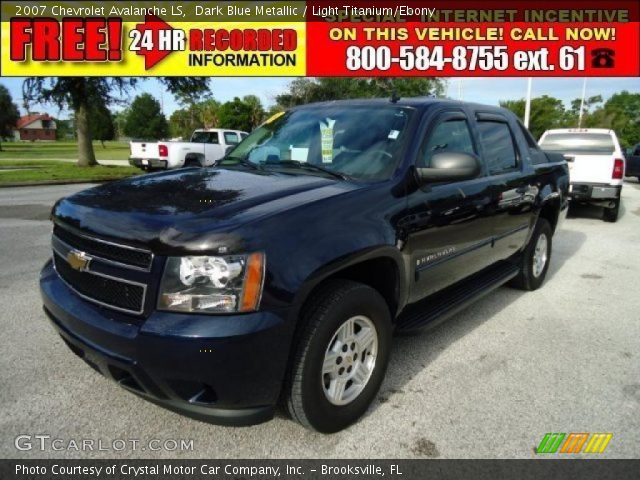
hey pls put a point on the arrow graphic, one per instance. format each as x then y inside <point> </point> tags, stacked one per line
<point>154,25</point>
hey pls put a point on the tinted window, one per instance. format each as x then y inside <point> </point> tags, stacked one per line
<point>205,137</point>
<point>497,144</point>
<point>230,138</point>
<point>448,136</point>
<point>594,143</point>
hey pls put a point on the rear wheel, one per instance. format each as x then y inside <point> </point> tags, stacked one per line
<point>193,161</point>
<point>341,356</point>
<point>535,258</point>
<point>611,214</point>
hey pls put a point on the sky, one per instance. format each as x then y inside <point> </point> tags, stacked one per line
<point>487,90</point>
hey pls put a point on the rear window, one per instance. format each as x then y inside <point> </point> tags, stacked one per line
<point>594,143</point>
<point>205,137</point>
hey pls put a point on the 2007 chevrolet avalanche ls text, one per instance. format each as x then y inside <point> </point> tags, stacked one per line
<point>280,274</point>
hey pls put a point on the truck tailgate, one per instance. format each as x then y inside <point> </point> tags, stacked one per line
<point>144,149</point>
<point>590,168</point>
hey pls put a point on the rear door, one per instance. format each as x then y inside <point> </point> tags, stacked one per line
<point>512,189</point>
<point>449,233</point>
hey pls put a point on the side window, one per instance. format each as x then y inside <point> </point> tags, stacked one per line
<point>230,138</point>
<point>213,138</point>
<point>448,136</point>
<point>497,144</point>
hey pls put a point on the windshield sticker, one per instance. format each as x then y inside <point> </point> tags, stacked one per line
<point>393,134</point>
<point>273,117</point>
<point>299,154</point>
<point>326,137</point>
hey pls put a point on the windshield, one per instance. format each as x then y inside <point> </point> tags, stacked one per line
<point>586,143</point>
<point>359,142</point>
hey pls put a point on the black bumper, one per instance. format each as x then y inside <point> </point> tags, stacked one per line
<point>226,370</point>
<point>154,163</point>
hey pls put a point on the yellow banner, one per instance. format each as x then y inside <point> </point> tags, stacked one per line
<point>204,61</point>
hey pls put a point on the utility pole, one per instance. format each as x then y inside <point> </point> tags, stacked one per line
<point>584,91</point>
<point>527,105</point>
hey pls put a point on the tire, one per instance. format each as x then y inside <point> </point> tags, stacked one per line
<point>532,272</point>
<point>313,377</point>
<point>611,214</point>
<point>192,161</point>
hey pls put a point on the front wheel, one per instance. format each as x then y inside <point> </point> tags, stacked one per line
<point>341,356</point>
<point>535,258</point>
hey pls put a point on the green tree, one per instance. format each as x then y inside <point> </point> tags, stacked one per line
<point>572,116</point>
<point>145,119</point>
<point>185,120</point>
<point>622,111</point>
<point>119,121</point>
<point>181,123</point>
<point>546,112</point>
<point>306,90</point>
<point>256,109</point>
<point>79,93</point>
<point>207,113</point>
<point>64,129</point>
<point>102,125</point>
<point>236,115</point>
<point>9,114</point>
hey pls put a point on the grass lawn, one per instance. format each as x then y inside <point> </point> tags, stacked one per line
<point>49,170</point>
<point>54,161</point>
<point>18,151</point>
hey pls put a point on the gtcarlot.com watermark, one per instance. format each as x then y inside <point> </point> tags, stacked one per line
<point>47,443</point>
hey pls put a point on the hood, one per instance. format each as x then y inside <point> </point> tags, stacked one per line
<point>186,208</point>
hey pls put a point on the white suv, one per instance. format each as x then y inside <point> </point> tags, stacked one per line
<point>596,165</point>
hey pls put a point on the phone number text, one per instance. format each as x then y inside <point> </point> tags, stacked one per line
<point>471,58</point>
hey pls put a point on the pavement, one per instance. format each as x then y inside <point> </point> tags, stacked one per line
<point>488,383</point>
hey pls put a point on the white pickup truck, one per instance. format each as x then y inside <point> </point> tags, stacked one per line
<point>204,149</point>
<point>596,165</point>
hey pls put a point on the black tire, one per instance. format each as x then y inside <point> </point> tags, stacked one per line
<point>611,214</point>
<point>332,306</point>
<point>527,278</point>
<point>192,161</point>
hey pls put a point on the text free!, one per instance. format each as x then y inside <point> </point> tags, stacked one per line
<point>74,39</point>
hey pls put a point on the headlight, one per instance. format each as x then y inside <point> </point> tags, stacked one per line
<point>212,284</point>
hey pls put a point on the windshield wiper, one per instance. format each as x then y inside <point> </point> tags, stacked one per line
<point>238,161</point>
<point>310,166</point>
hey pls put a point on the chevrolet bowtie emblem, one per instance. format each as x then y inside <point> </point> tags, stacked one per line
<point>78,260</point>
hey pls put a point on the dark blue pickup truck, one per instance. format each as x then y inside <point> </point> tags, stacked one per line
<point>278,276</point>
<point>632,168</point>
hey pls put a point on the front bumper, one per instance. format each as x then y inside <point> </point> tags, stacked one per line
<point>588,192</point>
<point>146,163</point>
<point>221,369</point>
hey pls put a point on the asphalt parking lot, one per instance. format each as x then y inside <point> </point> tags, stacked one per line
<point>488,383</point>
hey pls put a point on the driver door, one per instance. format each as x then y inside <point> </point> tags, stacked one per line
<point>449,226</point>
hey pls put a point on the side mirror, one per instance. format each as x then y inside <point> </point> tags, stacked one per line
<point>450,167</point>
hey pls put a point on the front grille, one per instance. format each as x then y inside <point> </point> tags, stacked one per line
<point>121,254</point>
<point>98,288</point>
